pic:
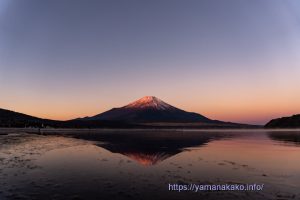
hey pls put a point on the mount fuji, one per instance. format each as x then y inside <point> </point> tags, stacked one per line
<point>149,109</point>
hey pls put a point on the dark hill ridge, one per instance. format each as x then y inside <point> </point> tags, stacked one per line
<point>285,122</point>
<point>14,119</point>
<point>10,118</point>
<point>11,115</point>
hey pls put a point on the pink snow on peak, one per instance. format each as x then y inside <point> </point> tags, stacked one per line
<point>149,102</point>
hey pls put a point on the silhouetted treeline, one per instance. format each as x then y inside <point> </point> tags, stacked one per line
<point>285,122</point>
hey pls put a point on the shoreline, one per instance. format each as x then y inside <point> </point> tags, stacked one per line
<point>5,131</point>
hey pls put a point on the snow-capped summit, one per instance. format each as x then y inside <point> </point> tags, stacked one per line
<point>149,102</point>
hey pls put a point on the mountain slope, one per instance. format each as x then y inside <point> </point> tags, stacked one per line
<point>14,119</point>
<point>11,115</point>
<point>149,109</point>
<point>285,122</point>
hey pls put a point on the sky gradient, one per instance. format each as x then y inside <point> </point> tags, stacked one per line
<point>235,60</point>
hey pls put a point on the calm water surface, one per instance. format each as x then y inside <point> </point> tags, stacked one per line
<point>141,164</point>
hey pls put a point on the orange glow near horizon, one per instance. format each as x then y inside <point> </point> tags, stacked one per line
<point>259,112</point>
<point>223,95</point>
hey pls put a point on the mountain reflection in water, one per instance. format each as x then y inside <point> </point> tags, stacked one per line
<point>290,138</point>
<point>148,148</point>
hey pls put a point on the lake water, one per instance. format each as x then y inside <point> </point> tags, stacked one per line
<point>139,164</point>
